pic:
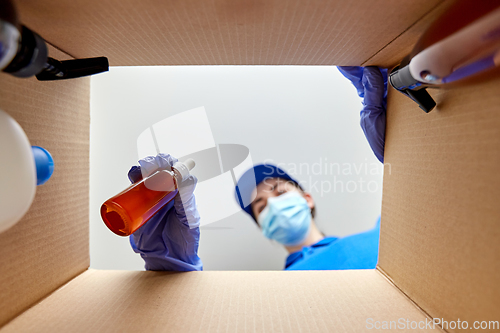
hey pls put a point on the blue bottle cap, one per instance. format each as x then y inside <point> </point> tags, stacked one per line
<point>44,164</point>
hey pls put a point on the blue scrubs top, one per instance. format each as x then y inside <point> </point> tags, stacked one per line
<point>358,251</point>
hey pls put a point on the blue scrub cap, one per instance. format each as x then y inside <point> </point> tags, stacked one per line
<point>247,183</point>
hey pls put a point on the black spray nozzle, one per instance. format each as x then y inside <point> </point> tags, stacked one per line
<point>69,69</point>
<point>402,80</point>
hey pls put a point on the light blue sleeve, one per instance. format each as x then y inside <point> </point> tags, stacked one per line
<point>359,251</point>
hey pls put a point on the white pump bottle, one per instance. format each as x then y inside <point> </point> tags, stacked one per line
<point>18,176</point>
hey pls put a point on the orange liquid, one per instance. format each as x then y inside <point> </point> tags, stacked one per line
<point>127,211</point>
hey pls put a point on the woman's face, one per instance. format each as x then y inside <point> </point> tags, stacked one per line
<point>273,187</point>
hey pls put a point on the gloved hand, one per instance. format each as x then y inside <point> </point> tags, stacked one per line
<point>371,85</point>
<point>169,240</point>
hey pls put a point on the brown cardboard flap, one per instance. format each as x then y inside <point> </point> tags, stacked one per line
<point>441,212</point>
<point>401,46</point>
<point>50,245</point>
<point>305,301</point>
<point>224,32</point>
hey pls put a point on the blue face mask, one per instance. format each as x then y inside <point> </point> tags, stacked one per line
<point>286,219</point>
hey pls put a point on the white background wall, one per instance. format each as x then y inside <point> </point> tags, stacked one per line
<point>295,115</point>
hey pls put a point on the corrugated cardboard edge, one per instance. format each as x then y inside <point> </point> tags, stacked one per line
<point>391,282</point>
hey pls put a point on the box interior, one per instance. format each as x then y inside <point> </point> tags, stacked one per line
<point>224,32</point>
<point>118,301</point>
<point>440,211</point>
<point>439,254</point>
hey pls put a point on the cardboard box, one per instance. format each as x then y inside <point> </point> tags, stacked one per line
<point>439,249</point>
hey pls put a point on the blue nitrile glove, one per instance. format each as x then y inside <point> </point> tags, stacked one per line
<point>371,85</point>
<point>169,240</point>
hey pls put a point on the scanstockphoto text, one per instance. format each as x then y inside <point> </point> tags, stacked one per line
<point>323,176</point>
<point>406,324</point>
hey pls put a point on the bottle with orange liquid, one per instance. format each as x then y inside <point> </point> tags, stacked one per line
<point>127,211</point>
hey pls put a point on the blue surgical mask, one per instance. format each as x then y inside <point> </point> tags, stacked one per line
<point>286,218</point>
